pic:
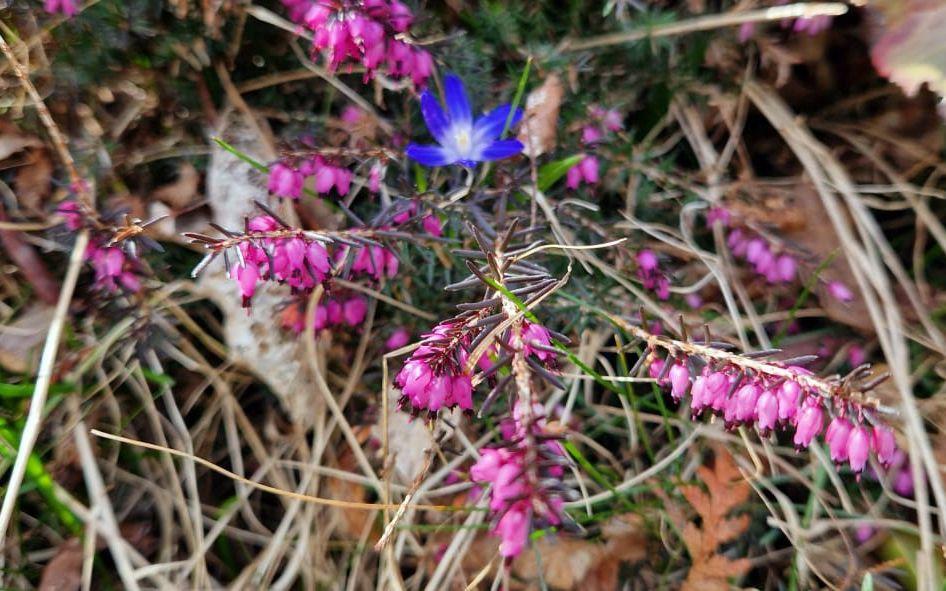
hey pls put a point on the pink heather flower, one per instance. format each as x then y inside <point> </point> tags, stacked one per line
<point>586,171</point>
<point>885,445</point>
<point>836,436</point>
<point>262,223</point>
<point>398,339</point>
<point>767,411</point>
<point>354,311</point>
<point>67,8</point>
<point>534,336</point>
<point>112,269</point>
<point>285,181</point>
<point>786,267</point>
<point>788,395</point>
<point>693,300</point>
<point>647,260</point>
<point>839,291</point>
<point>591,134</point>
<point>810,422</point>
<point>864,533</point>
<point>679,381</point>
<point>246,277</point>
<point>433,226</point>
<point>374,178</point>
<point>856,355</point>
<point>858,448</point>
<point>513,530</point>
<point>375,261</point>
<point>72,213</point>
<point>718,214</point>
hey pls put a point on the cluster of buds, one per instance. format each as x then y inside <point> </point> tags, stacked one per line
<point>287,180</point>
<point>648,271</point>
<point>751,390</point>
<point>271,250</point>
<point>112,252</point>
<point>524,478</point>
<point>435,376</point>
<point>67,8</point>
<point>371,33</point>
<point>330,312</point>
<point>755,250</point>
<point>603,122</point>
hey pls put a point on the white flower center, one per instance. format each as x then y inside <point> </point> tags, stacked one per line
<point>462,139</point>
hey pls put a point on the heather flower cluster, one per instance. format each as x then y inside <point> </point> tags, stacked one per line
<point>648,271</point>
<point>370,33</point>
<point>115,269</point>
<point>68,8</point>
<point>774,266</point>
<point>286,180</point>
<point>771,401</point>
<point>603,123</point>
<point>519,474</point>
<point>270,250</point>
<point>435,377</point>
<point>332,311</point>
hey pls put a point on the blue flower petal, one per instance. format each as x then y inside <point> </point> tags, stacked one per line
<point>429,155</point>
<point>502,149</point>
<point>433,115</point>
<point>458,104</point>
<point>488,127</point>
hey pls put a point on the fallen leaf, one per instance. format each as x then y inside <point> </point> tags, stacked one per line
<point>569,562</point>
<point>64,571</point>
<point>21,340</point>
<point>33,181</point>
<point>537,131</point>
<point>275,357</point>
<point>908,44</point>
<point>726,489</point>
<point>13,141</point>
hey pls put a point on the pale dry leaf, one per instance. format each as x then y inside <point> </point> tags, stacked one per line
<point>21,340</point>
<point>12,141</point>
<point>908,44</point>
<point>537,132</point>
<point>407,440</point>
<point>569,562</point>
<point>274,356</point>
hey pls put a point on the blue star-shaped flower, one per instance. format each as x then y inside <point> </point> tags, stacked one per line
<point>462,140</point>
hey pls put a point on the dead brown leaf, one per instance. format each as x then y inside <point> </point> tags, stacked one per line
<point>726,489</point>
<point>33,181</point>
<point>21,340</point>
<point>64,571</point>
<point>537,131</point>
<point>182,191</point>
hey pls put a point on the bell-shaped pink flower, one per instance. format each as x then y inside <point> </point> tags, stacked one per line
<point>513,530</point>
<point>858,448</point>
<point>398,339</point>
<point>679,381</point>
<point>767,410</point>
<point>354,311</point>
<point>836,436</point>
<point>810,422</point>
<point>788,397</point>
<point>285,181</point>
<point>885,444</point>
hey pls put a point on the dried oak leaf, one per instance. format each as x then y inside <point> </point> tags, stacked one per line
<point>908,44</point>
<point>726,489</point>
<point>538,128</point>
